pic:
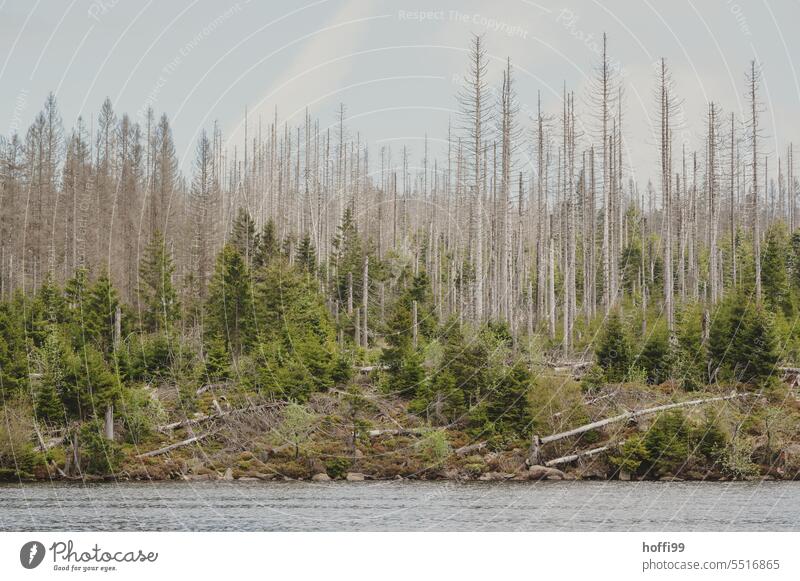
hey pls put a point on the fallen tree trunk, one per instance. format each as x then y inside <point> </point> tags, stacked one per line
<point>635,414</point>
<point>187,422</point>
<point>175,446</point>
<point>220,414</point>
<point>537,441</point>
<point>399,432</point>
<point>371,368</point>
<point>577,455</point>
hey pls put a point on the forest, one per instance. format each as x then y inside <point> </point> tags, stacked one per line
<point>302,306</point>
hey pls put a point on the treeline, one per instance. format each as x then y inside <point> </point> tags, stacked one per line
<point>282,264</point>
<point>539,224</point>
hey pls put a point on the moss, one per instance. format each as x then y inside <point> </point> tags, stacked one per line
<point>292,469</point>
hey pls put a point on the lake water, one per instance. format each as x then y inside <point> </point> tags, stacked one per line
<point>402,506</point>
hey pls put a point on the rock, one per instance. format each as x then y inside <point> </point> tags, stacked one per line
<point>228,474</point>
<point>624,475</point>
<point>399,477</point>
<point>670,479</point>
<point>450,474</point>
<point>538,472</point>
<point>199,477</point>
<point>321,477</point>
<point>495,476</point>
<point>592,472</point>
<point>247,479</point>
<point>789,459</point>
<point>354,477</point>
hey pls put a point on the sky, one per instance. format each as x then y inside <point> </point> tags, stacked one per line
<point>396,65</point>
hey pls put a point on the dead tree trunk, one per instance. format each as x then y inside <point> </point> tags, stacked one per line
<point>537,441</point>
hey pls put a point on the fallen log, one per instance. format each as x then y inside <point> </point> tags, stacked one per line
<point>398,432</point>
<point>206,417</point>
<point>175,446</point>
<point>537,441</point>
<point>634,415</point>
<point>577,455</point>
<point>371,368</point>
<point>570,366</point>
<point>187,422</point>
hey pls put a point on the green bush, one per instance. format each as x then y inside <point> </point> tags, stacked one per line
<point>632,453</point>
<point>434,447</point>
<point>99,455</point>
<point>614,353</point>
<point>18,456</point>
<point>140,414</point>
<point>337,467</point>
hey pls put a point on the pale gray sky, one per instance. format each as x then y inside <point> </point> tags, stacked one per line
<point>396,64</point>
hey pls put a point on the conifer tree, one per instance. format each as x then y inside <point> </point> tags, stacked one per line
<point>774,269</point>
<point>507,406</point>
<point>614,354</point>
<point>99,313</point>
<point>229,308</point>
<point>306,255</point>
<point>13,354</point>
<point>243,236</point>
<point>268,246</point>
<point>159,299</point>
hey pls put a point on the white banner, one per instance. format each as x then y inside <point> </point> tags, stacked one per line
<point>398,556</point>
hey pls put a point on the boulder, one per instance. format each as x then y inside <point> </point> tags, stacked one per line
<point>624,475</point>
<point>354,477</point>
<point>321,477</point>
<point>228,474</point>
<point>495,476</point>
<point>537,472</point>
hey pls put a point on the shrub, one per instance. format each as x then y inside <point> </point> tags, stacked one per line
<point>140,414</point>
<point>296,427</point>
<point>18,457</point>
<point>99,455</point>
<point>434,447</point>
<point>668,443</point>
<point>632,454</point>
<point>614,354</point>
<point>337,467</point>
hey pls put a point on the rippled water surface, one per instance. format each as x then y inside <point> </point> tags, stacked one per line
<point>402,506</point>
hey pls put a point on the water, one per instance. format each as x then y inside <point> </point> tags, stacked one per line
<point>402,506</point>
